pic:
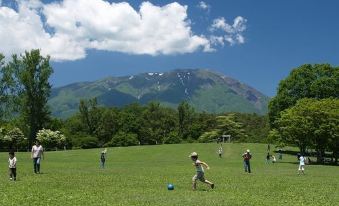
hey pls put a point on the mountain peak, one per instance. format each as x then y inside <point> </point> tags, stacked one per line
<point>204,89</point>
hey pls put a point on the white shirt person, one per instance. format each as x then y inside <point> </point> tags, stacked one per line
<point>37,154</point>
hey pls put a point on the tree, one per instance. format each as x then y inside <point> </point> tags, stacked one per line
<point>307,81</point>
<point>185,116</point>
<point>225,125</point>
<point>312,123</point>
<point>14,137</point>
<point>26,79</point>
<point>51,139</point>
<point>89,114</point>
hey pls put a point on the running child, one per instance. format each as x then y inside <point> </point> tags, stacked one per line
<point>12,166</point>
<point>199,165</point>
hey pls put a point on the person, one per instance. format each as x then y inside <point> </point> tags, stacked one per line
<point>268,157</point>
<point>103,158</point>
<point>220,150</point>
<point>247,156</point>
<point>280,154</point>
<point>301,165</point>
<point>12,166</point>
<point>268,147</point>
<point>200,175</point>
<point>273,159</point>
<point>36,155</point>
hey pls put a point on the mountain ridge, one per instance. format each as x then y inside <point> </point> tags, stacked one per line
<point>204,89</point>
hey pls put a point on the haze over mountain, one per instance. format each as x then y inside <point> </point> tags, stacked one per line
<point>204,89</point>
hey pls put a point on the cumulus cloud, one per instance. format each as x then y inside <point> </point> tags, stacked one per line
<point>204,6</point>
<point>66,29</point>
<point>233,33</point>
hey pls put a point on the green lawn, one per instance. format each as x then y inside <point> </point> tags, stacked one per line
<point>139,176</point>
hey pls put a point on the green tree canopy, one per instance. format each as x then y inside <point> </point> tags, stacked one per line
<point>307,81</point>
<point>312,123</point>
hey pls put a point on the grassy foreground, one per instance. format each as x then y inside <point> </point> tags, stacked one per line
<point>139,176</point>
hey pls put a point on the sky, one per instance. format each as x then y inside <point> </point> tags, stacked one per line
<point>257,42</point>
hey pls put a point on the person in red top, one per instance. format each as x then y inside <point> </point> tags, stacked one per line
<point>247,156</point>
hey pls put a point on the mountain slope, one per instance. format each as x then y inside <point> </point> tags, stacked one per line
<point>205,90</point>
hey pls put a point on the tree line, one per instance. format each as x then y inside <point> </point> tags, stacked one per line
<point>25,116</point>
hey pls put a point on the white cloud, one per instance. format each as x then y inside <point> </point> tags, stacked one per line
<point>67,29</point>
<point>79,25</point>
<point>233,33</point>
<point>204,6</point>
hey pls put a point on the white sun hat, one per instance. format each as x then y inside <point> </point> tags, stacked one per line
<point>193,154</point>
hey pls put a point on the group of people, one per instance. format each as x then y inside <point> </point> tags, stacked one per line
<point>247,156</point>
<point>37,153</point>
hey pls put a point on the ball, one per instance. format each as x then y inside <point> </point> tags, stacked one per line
<point>170,187</point>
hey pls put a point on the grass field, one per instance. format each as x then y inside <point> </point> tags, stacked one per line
<point>139,176</point>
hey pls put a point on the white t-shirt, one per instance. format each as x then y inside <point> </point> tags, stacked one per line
<point>37,151</point>
<point>12,162</point>
<point>302,160</point>
<point>198,166</point>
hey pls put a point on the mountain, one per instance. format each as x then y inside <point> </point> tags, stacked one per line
<point>205,90</point>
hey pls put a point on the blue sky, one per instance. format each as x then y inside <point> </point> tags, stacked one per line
<point>275,36</point>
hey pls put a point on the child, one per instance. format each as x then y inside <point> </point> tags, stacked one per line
<point>12,166</point>
<point>301,165</point>
<point>220,151</point>
<point>273,159</point>
<point>200,171</point>
<point>103,158</point>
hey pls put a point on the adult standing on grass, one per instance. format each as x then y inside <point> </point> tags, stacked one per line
<point>247,156</point>
<point>200,171</point>
<point>36,155</point>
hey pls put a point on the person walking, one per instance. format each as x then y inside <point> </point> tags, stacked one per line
<point>12,166</point>
<point>36,155</point>
<point>247,156</point>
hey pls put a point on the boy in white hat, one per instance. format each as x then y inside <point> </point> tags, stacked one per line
<point>200,171</point>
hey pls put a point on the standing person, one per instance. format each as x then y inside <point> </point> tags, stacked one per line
<point>220,151</point>
<point>268,157</point>
<point>36,155</point>
<point>301,164</point>
<point>280,154</point>
<point>12,166</point>
<point>200,171</point>
<point>268,147</point>
<point>103,158</point>
<point>247,156</point>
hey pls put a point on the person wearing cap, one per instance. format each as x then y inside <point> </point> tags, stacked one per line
<point>247,156</point>
<point>199,165</point>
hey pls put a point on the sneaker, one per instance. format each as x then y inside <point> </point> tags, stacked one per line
<point>212,186</point>
<point>10,178</point>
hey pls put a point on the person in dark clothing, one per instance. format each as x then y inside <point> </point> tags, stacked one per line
<point>268,158</point>
<point>247,156</point>
<point>103,158</point>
